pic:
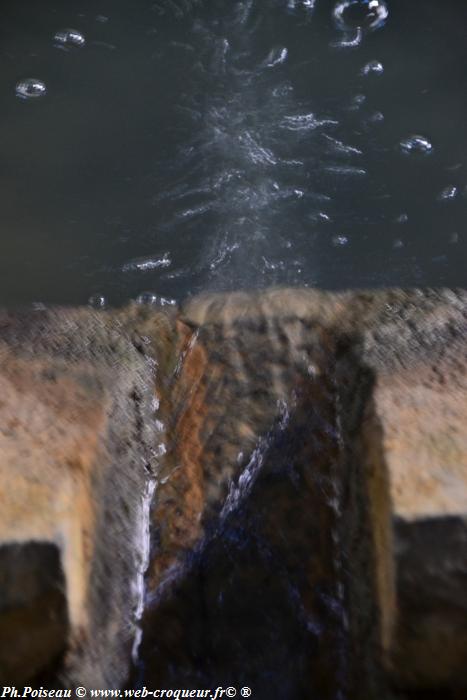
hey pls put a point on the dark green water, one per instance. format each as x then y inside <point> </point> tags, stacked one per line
<point>229,144</point>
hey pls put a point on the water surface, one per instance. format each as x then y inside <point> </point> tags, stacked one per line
<point>174,146</point>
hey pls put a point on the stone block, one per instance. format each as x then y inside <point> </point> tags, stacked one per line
<point>76,453</point>
<point>403,375</point>
<point>245,582</point>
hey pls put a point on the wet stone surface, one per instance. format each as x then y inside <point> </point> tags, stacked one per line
<point>245,585</point>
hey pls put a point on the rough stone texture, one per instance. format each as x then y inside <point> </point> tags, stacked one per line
<point>245,584</point>
<point>412,348</point>
<point>76,439</point>
<point>308,530</point>
<point>399,387</point>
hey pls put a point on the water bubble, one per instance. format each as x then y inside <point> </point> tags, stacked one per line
<point>69,37</point>
<point>402,218</point>
<point>448,193</point>
<point>30,88</point>
<point>373,68</point>
<point>152,299</point>
<point>375,118</point>
<point>146,298</point>
<point>340,240</point>
<point>97,301</point>
<point>368,14</point>
<point>308,5</point>
<point>417,145</point>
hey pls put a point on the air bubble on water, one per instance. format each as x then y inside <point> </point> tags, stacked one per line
<point>69,38</point>
<point>367,14</point>
<point>340,240</point>
<point>416,145</point>
<point>146,298</point>
<point>375,118</point>
<point>402,218</point>
<point>448,193</point>
<point>153,299</point>
<point>307,5</point>
<point>30,88</point>
<point>97,301</point>
<point>373,68</point>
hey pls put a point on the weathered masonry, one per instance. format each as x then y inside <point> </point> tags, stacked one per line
<point>265,489</point>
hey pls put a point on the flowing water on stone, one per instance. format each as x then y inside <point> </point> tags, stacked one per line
<point>157,149</point>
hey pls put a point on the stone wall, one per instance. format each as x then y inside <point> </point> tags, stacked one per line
<point>288,467</point>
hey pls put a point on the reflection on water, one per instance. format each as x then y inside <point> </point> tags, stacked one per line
<point>184,145</point>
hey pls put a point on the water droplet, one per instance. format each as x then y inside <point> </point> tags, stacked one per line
<point>448,193</point>
<point>368,14</point>
<point>30,88</point>
<point>69,38</point>
<point>417,145</point>
<point>340,240</point>
<point>373,68</point>
<point>97,301</point>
